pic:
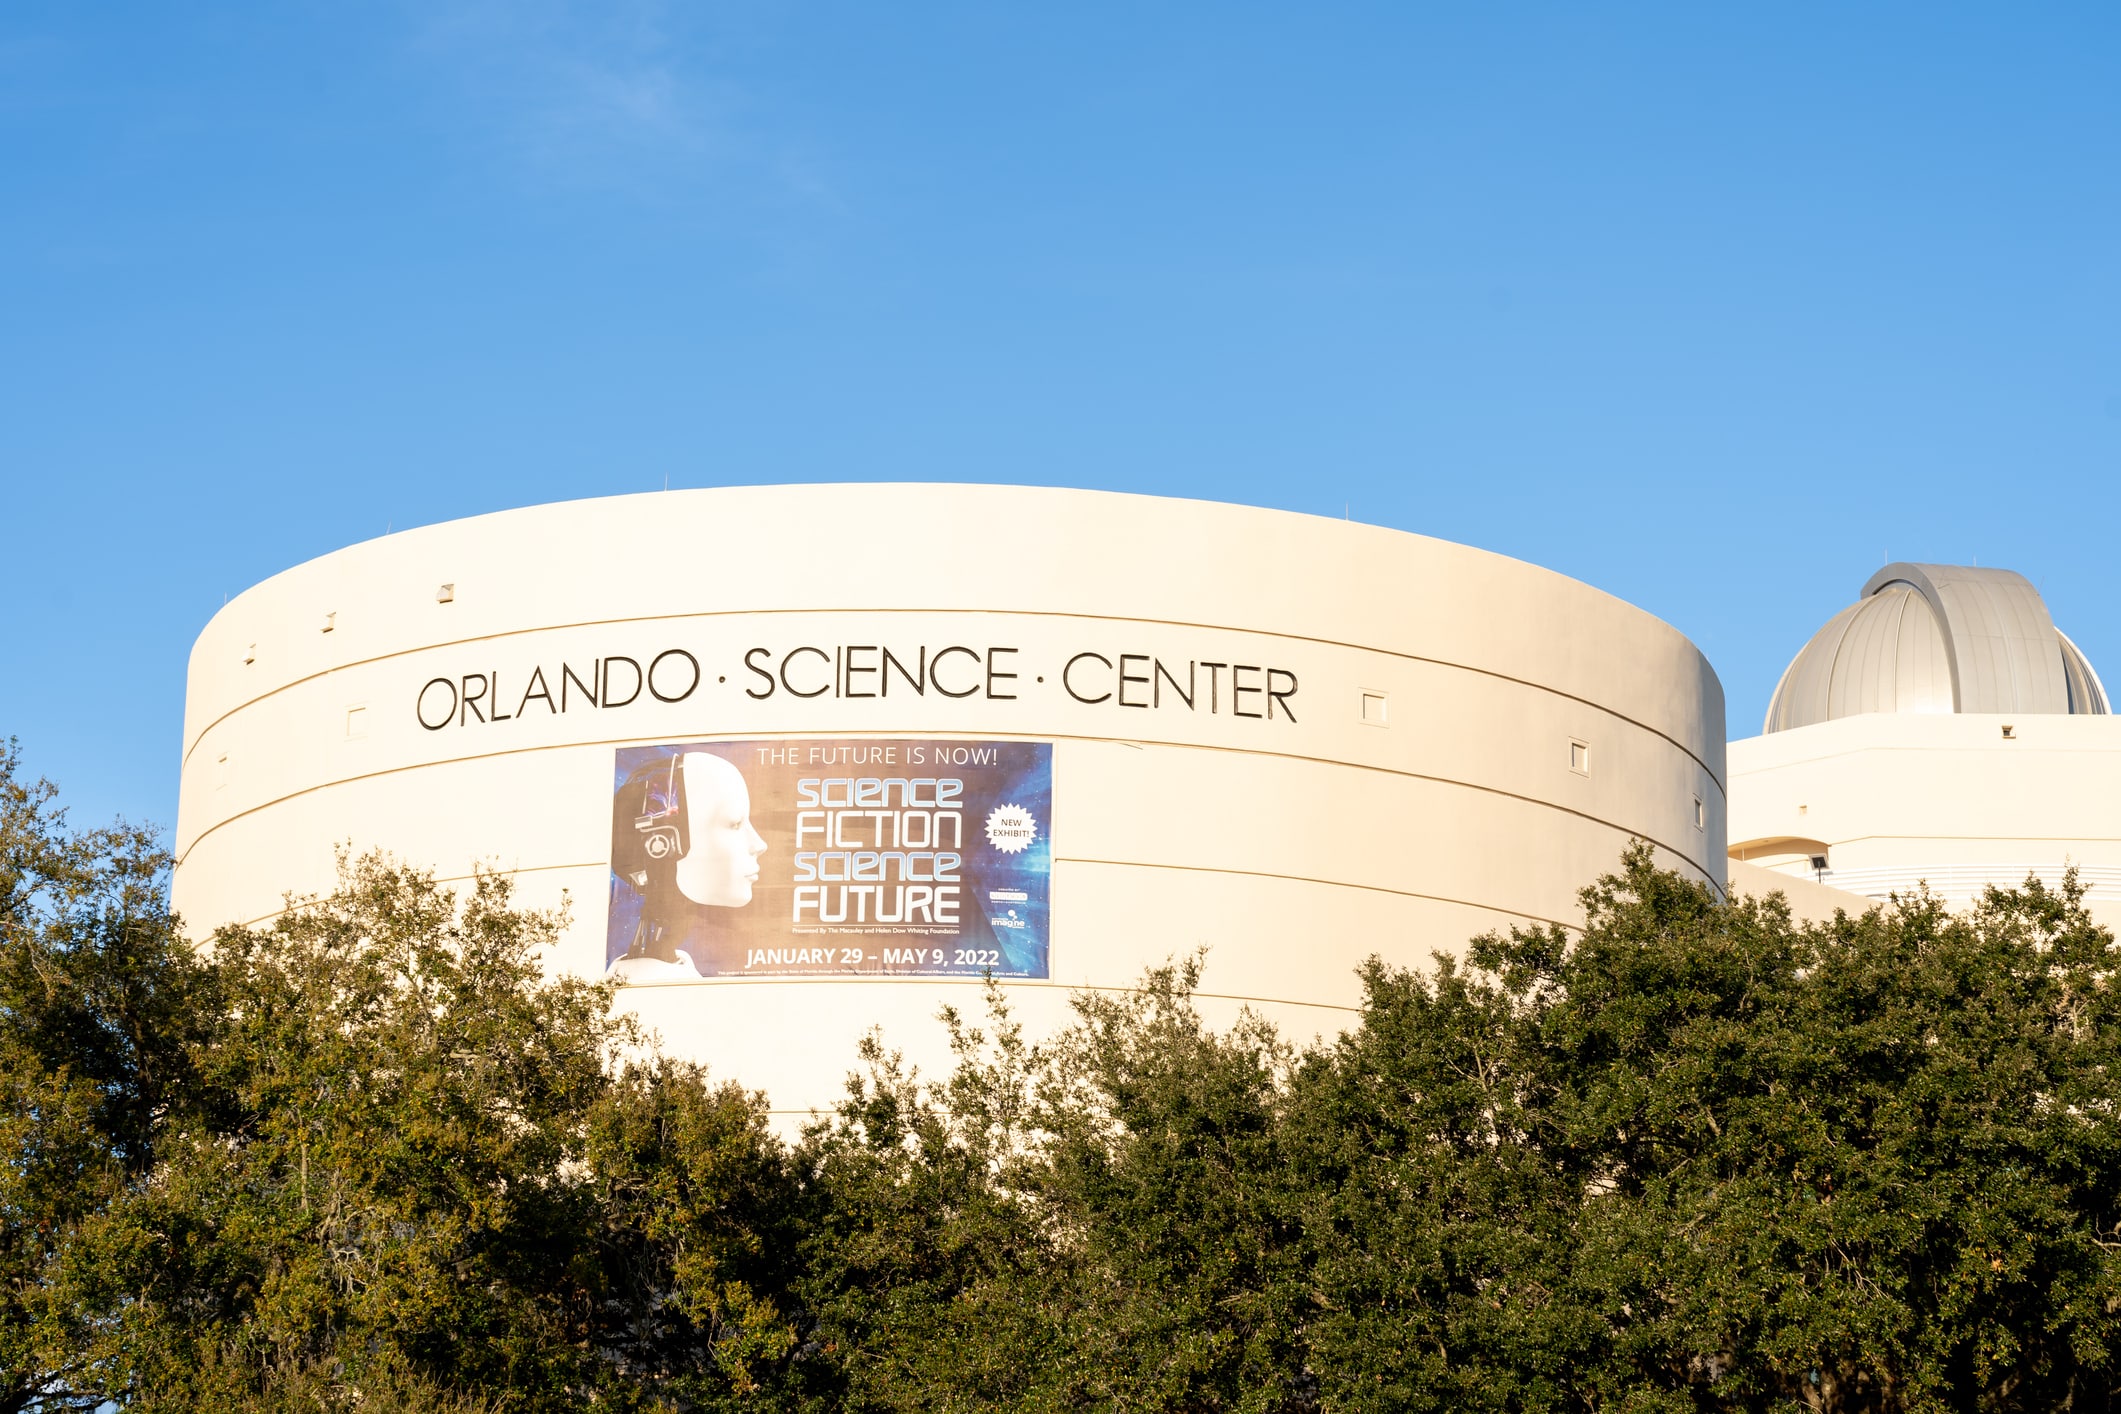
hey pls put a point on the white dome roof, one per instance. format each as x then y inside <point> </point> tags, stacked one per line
<point>1937,638</point>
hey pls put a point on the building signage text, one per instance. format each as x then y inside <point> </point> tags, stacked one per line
<point>1104,676</point>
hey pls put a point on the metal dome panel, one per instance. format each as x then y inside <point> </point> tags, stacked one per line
<point>1885,653</point>
<point>1937,638</point>
<point>2087,695</point>
<point>2003,648</point>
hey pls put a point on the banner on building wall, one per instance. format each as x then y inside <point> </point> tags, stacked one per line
<point>830,857</point>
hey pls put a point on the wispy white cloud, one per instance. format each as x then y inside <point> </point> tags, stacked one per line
<point>635,94</point>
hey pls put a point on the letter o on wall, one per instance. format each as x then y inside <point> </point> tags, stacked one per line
<point>658,692</point>
<point>448,715</point>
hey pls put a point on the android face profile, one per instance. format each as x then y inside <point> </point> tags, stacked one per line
<point>685,822</point>
<point>683,838</point>
<point>721,860</point>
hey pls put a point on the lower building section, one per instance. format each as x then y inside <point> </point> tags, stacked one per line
<point>1282,882</point>
<point>1886,803</point>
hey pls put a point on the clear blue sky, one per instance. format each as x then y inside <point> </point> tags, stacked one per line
<point>1710,309</point>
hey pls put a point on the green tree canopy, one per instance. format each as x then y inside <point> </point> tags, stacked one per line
<point>101,1007</point>
<point>1693,1157</point>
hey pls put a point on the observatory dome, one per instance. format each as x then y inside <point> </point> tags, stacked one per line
<point>1937,639</point>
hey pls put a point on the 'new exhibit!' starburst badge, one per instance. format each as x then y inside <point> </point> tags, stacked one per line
<point>1011,829</point>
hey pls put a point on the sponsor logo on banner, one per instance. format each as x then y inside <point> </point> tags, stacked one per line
<point>830,857</point>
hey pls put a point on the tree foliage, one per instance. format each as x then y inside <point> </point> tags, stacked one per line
<point>1694,1157</point>
<point>101,1009</point>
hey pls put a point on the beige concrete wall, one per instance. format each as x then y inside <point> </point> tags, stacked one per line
<point>1900,799</point>
<point>1809,901</point>
<point>1290,848</point>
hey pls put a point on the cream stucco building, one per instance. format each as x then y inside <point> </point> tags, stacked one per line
<point>808,759</point>
<point>1940,730</point>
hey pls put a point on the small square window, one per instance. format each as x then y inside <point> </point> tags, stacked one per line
<point>1373,709</point>
<point>1701,814</point>
<point>2010,733</point>
<point>1580,757</point>
<point>356,723</point>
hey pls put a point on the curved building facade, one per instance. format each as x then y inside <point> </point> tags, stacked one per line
<point>809,759</point>
<point>1943,731</point>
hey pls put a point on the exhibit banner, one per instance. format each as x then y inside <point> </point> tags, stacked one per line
<point>830,857</point>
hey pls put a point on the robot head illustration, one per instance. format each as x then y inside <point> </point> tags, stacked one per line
<point>685,821</point>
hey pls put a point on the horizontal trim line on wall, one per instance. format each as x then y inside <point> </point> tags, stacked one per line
<point>1306,879</point>
<point>605,866</point>
<point>2100,881</point>
<point>439,879</point>
<point>193,744</point>
<point>1985,838</point>
<point>1024,983</point>
<point>1040,983</point>
<point>989,736</point>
